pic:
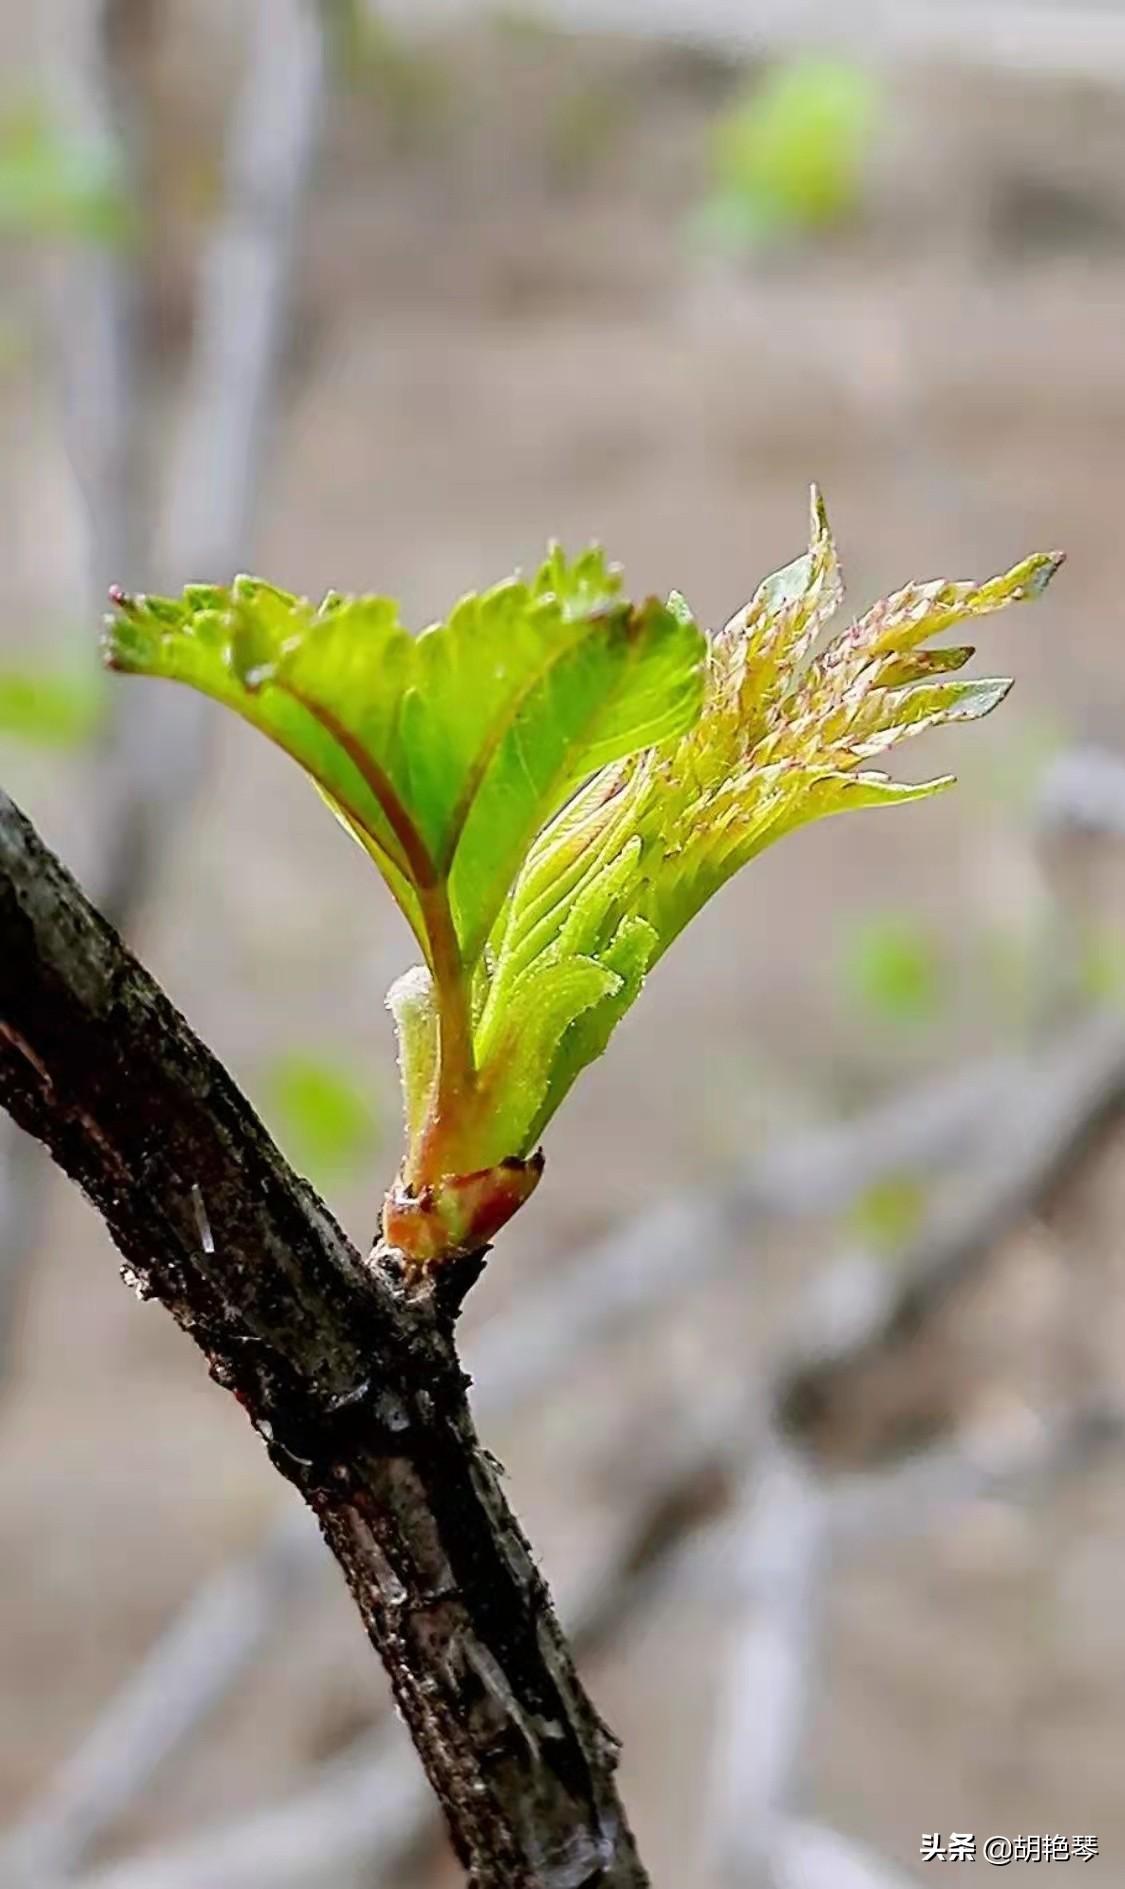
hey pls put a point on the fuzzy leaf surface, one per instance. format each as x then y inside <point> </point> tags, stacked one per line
<point>554,780</point>
<point>783,739</point>
<point>445,753</point>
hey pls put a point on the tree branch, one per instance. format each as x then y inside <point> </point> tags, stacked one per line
<point>347,1369</point>
<point>630,1274</point>
<point>359,1817</point>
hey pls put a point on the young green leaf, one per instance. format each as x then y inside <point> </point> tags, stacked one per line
<point>783,732</point>
<point>780,742</point>
<point>553,782</point>
<point>445,753</point>
<point>789,156</point>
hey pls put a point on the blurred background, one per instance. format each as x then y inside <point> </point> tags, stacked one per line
<point>807,1361</point>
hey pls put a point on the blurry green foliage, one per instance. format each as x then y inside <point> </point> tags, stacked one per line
<point>1101,968</point>
<point>407,80</point>
<point>582,128</point>
<point>888,1213</point>
<point>52,708</point>
<point>789,155</point>
<point>890,964</point>
<point>53,184</point>
<point>323,1116</point>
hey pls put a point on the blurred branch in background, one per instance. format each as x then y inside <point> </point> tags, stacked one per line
<point>1043,1133</point>
<point>790,1516</point>
<point>152,752</point>
<point>97,302</point>
<point>96,55</point>
<point>166,1699</point>
<point>787,1533</point>
<point>1080,41</point>
<point>1082,793</point>
<point>773,1583</point>
<point>156,755</point>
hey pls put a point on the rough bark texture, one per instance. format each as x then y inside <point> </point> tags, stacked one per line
<point>347,1368</point>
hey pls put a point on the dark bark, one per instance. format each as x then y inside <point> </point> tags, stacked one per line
<point>347,1368</point>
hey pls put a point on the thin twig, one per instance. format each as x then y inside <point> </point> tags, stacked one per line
<point>152,752</point>
<point>96,297</point>
<point>878,1504</point>
<point>790,1517</point>
<point>773,1589</point>
<point>813,1857</point>
<point>171,1691</point>
<point>156,756</point>
<point>866,1307</point>
<point>777,1551</point>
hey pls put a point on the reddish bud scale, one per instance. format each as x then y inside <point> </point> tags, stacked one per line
<point>459,1213</point>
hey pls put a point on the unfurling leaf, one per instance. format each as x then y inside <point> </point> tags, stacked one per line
<point>552,782</point>
<point>769,755</point>
<point>446,753</point>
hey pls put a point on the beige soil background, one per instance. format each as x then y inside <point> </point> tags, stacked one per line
<point>505,330</point>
